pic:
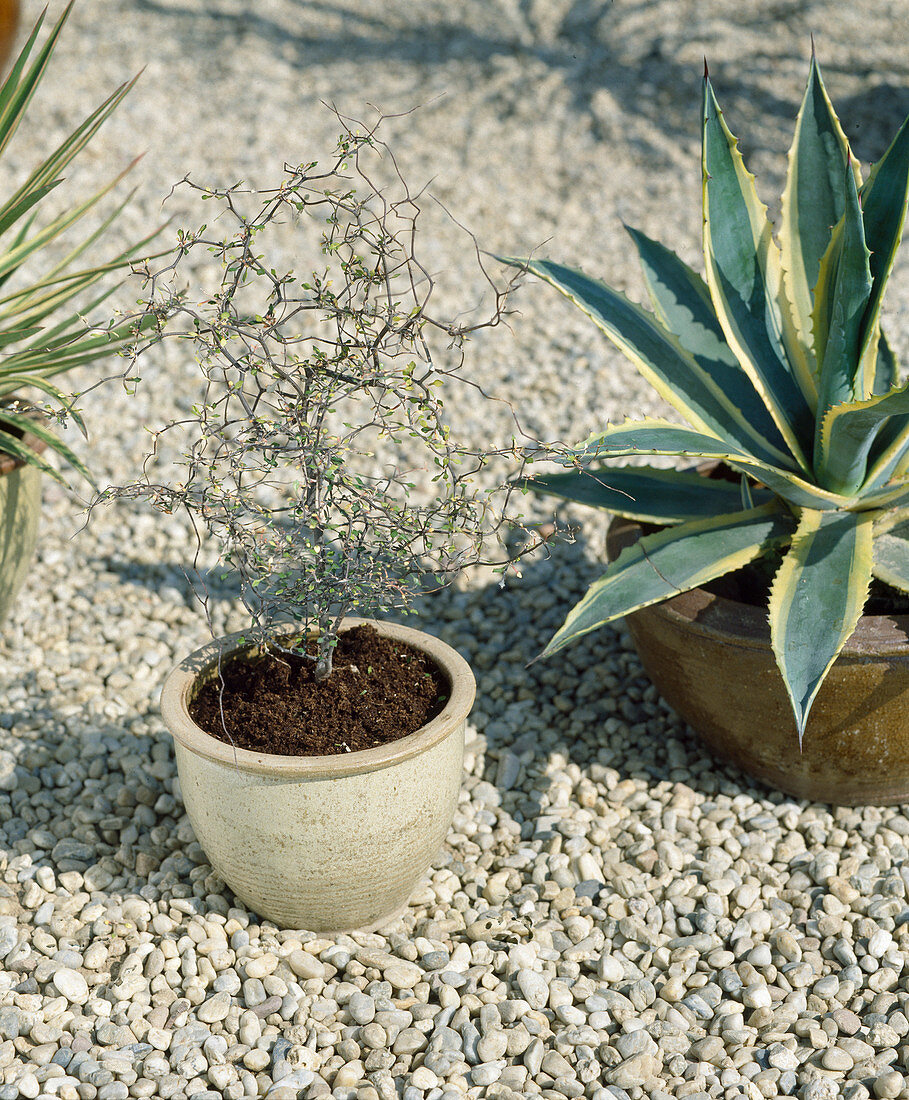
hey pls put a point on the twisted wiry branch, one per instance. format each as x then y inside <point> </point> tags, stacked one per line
<point>320,457</point>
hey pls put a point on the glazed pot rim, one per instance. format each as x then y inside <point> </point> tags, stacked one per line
<point>746,624</point>
<point>178,686</point>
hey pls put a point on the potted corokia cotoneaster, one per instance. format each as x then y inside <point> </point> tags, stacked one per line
<point>320,749</point>
<point>39,337</point>
<point>796,665</point>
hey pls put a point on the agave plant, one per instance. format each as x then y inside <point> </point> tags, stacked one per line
<point>41,334</point>
<point>780,367</point>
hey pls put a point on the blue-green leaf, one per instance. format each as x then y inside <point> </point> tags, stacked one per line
<point>671,561</point>
<point>743,273</point>
<point>847,433</point>
<point>886,367</point>
<point>884,202</point>
<point>660,358</point>
<point>813,201</point>
<point>660,437</point>
<point>816,600</point>
<point>891,555</point>
<point>681,300</point>
<point>646,493</point>
<point>841,298</point>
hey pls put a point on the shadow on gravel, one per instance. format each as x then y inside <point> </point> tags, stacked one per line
<point>179,578</point>
<point>871,118</point>
<point>626,51</point>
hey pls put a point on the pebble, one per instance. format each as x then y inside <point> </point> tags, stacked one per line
<point>836,1058</point>
<point>533,987</point>
<point>72,985</point>
<point>305,965</point>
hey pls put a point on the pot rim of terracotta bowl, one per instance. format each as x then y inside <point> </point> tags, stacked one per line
<point>746,624</point>
<point>178,687</point>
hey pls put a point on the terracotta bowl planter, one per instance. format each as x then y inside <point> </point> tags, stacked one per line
<point>327,843</point>
<point>9,25</point>
<point>20,510</point>
<point>710,658</point>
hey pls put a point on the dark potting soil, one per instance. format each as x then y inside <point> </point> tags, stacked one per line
<point>379,690</point>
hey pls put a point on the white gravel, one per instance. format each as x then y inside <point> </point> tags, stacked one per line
<point>614,914</point>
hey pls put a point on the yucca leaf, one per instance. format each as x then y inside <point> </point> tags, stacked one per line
<point>59,279</point>
<point>13,335</point>
<point>675,560</point>
<point>816,600</point>
<point>20,236</point>
<point>14,257</point>
<point>659,356</point>
<point>841,298</point>
<point>20,86</point>
<point>14,76</point>
<point>11,211</point>
<point>813,199</point>
<point>681,301</point>
<point>891,556</point>
<point>32,305</point>
<point>49,363</point>
<point>884,201</point>
<point>743,273</point>
<point>13,445</point>
<point>73,144</point>
<point>660,437</point>
<point>645,493</point>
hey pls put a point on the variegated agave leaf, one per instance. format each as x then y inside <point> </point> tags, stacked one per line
<point>779,368</point>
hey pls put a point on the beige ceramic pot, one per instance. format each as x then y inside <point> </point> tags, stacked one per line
<point>20,510</point>
<point>327,843</point>
<point>710,658</point>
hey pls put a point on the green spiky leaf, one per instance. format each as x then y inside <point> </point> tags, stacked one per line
<point>660,358</point>
<point>841,299</point>
<point>743,273</point>
<point>659,437</point>
<point>816,600</point>
<point>813,201</point>
<point>675,560</point>
<point>681,301</point>
<point>891,556</point>
<point>646,493</point>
